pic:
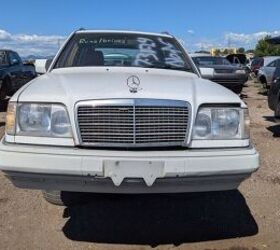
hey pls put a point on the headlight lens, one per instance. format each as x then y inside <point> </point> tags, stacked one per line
<point>31,119</point>
<point>221,123</point>
<point>34,118</point>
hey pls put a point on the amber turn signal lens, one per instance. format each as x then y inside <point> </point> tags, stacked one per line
<point>11,119</point>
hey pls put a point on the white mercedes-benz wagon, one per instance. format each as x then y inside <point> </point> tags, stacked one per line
<point>125,112</point>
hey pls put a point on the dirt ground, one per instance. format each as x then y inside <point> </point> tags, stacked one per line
<point>248,219</point>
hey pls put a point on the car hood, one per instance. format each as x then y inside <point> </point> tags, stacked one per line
<point>70,85</point>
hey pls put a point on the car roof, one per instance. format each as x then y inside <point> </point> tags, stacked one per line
<point>6,50</point>
<point>269,59</point>
<point>124,32</point>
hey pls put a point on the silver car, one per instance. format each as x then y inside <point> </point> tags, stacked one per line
<point>266,72</point>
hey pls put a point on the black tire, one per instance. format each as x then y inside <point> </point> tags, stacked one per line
<point>63,198</point>
<point>277,112</point>
<point>264,82</point>
<point>3,90</point>
<point>54,197</point>
<point>265,85</point>
<point>238,89</point>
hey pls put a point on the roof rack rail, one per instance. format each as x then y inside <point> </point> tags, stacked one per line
<point>165,33</point>
<point>81,29</point>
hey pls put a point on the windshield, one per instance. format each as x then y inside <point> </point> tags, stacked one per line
<point>122,50</point>
<point>3,58</point>
<point>210,60</point>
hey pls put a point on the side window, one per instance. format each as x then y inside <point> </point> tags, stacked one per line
<point>272,64</point>
<point>11,57</point>
<point>17,57</point>
<point>278,63</point>
<point>3,58</point>
<point>14,57</point>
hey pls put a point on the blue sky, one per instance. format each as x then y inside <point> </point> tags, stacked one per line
<point>37,27</point>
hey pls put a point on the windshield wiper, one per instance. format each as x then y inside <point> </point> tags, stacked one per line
<point>168,67</point>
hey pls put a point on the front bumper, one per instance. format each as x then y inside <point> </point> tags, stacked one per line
<point>137,171</point>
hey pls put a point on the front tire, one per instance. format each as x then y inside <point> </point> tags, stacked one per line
<point>64,198</point>
<point>54,197</point>
<point>238,89</point>
<point>277,112</point>
<point>3,91</point>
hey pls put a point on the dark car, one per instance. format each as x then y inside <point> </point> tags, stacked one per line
<point>256,64</point>
<point>274,91</point>
<point>218,69</point>
<point>13,73</point>
<point>240,60</point>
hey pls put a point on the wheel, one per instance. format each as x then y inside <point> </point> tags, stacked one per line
<point>277,112</point>
<point>265,85</point>
<point>3,91</point>
<point>264,82</point>
<point>54,197</point>
<point>238,89</point>
<point>63,198</point>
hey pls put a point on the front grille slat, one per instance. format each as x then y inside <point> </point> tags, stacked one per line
<point>133,125</point>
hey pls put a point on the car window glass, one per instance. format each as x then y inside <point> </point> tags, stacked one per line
<point>272,64</point>
<point>12,56</point>
<point>278,63</point>
<point>123,50</point>
<point>17,56</point>
<point>3,58</point>
<point>210,60</point>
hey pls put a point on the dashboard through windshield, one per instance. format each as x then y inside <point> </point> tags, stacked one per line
<point>123,50</point>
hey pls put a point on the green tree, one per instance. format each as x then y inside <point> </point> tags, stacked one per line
<point>226,52</point>
<point>263,48</point>
<point>217,52</point>
<point>241,50</point>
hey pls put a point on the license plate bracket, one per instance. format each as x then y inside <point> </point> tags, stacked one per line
<point>149,171</point>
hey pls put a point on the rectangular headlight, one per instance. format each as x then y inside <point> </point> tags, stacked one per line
<point>41,120</point>
<point>221,123</point>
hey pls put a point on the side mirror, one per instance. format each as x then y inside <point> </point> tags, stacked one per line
<point>48,64</point>
<point>42,65</point>
<point>15,61</point>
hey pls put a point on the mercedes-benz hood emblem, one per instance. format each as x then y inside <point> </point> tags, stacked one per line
<point>133,83</point>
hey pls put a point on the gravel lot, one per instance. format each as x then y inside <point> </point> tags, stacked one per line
<point>247,219</point>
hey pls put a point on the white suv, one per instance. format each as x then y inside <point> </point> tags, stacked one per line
<point>125,112</point>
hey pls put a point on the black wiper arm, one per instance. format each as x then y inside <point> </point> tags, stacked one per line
<point>168,67</point>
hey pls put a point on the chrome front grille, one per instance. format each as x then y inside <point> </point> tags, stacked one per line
<point>133,123</point>
<point>224,71</point>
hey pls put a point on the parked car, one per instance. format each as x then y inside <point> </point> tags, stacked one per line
<point>240,60</point>
<point>218,69</point>
<point>13,73</point>
<point>274,90</point>
<point>256,64</point>
<point>274,40</point>
<point>266,72</point>
<point>274,94</point>
<point>146,124</point>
